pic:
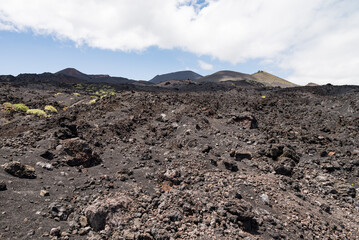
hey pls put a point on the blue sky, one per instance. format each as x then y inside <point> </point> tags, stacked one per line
<point>27,52</point>
<point>300,40</point>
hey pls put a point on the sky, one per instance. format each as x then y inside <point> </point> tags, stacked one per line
<point>300,40</point>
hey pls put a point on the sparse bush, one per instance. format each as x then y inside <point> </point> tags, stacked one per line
<point>37,112</point>
<point>77,94</point>
<point>79,86</point>
<point>7,105</point>
<point>59,93</point>
<point>20,107</point>
<point>50,108</point>
<point>93,101</point>
<point>65,108</point>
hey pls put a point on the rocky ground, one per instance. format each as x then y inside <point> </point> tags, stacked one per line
<point>228,163</point>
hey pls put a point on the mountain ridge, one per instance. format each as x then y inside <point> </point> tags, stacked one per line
<point>68,75</point>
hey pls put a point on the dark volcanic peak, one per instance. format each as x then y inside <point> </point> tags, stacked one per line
<point>94,78</point>
<point>72,72</point>
<point>223,76</point>
<point>181,75</point>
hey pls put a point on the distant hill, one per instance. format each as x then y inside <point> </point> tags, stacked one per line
<point>271,80</point>
<point>181,75</point>
<point>72,72</point>
<point>312,84</point>
<point>223,76</point>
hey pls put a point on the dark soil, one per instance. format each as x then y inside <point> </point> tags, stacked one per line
<point>190,162</point>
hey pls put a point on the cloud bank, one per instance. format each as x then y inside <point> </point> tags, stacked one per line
<point>315,40</point>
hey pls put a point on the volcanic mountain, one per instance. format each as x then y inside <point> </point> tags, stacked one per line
<point>72,72</point>
<point>272,81</point>
<point>181,75</point>
<point>260,78</point>
<point>223,76</point>
<point>99,78</point>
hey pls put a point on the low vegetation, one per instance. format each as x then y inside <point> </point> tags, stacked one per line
<point>37,112</point>
<point>93,101</point>
<point>50,108</point>
<point>96,89</point>
<point>20,107</point>
<point>80,86</point>
<point>7,105</point>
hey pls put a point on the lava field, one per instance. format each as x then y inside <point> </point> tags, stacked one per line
<point>191,162</point>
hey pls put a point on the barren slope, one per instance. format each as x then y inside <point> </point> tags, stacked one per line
<point>271,80</point>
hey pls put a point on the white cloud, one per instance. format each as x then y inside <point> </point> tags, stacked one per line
<point>4,26</point>
<point>314,39</point>
<point>204,65</point>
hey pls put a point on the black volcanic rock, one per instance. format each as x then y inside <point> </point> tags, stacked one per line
<point>194,161</point>
<point>32,78</point>
<point>182,75</point>
<point>112,80</point>
<point>6,78</point>
<point>20,170</point>
<point>2,186</point>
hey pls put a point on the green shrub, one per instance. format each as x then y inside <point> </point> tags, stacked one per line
<point>20,107</point>
<point>77,94</point>
<point>50,108</point>
<point>37,112</point>
<point>93,101</point>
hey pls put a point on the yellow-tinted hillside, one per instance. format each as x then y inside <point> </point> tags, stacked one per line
<point>271,80</point>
